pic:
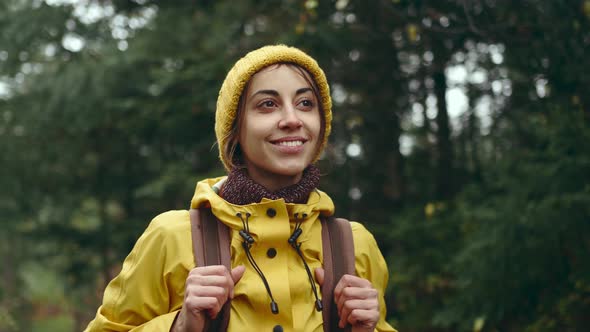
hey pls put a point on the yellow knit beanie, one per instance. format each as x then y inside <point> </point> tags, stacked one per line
<point>244,69</point>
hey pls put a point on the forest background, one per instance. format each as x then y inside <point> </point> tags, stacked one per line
<point>461,139</point>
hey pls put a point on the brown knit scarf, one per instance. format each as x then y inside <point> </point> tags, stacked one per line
<point>240,189</point>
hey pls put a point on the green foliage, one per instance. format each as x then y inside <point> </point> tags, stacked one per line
<point>512,250</point>
<point>528,232</point>
<point>106,119</point>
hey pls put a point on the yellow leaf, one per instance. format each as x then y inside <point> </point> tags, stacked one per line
<point>311,4</point>
<point>587,8</point>
<point>299,28</point>
<point>576,100</point>
<point>429,209</point>
<point>478,324</point>
<point>412,30</point>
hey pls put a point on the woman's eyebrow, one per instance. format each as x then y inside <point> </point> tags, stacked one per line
<point>276,93</point>
<point>265,92</point>
<point>302,90</point>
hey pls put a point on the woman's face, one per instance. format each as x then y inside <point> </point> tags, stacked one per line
<point>280,128</point>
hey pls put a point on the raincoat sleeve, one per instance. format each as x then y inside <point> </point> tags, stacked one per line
<point>148,292</point>
<point>371,265</point>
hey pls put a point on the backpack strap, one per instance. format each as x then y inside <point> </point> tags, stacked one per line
<point>338,251</point>
<point>211,246</point>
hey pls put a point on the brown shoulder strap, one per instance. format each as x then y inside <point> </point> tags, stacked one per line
<point>338,250</point>
<point>211,246</point>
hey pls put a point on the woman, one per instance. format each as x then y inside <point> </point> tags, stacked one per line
<point>273,119</point>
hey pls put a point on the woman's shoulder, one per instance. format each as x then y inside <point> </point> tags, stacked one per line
<point>368,257</point>
<point>362,236</point>
<point>168,237</point>
<point>169,223</point>
<point>365,246</point>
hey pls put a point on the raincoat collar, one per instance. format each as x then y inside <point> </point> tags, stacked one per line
<point>318,203</point>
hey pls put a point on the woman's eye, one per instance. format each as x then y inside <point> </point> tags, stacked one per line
<point>268,103</point>
<point>306,103</point>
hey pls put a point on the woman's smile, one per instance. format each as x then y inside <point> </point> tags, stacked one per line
<point>290,144</point>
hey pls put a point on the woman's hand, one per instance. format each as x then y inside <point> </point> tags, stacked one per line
<point>206,291</point>
<point>357,302</point>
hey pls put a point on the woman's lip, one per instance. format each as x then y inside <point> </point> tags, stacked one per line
<point>289,139</point>
<point>289,149</point>
<point>289,145</point>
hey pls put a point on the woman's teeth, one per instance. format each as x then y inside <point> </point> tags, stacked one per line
<point>290,143</point>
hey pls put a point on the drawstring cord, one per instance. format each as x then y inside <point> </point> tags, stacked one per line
<point>247,244</point>
<point>297,246</point>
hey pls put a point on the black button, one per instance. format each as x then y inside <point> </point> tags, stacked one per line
<point>271,253</point>
<point>277,328</point>
<point>271,212</point>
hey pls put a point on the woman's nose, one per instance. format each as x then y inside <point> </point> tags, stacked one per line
<point>290,119</point>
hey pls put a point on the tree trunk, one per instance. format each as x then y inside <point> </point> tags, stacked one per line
<point>381,138</point>
<point>444,168</point>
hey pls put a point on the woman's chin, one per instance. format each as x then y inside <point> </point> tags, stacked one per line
<point>292,170</point>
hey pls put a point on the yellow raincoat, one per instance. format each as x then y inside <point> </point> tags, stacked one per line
<point>148,293</point>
